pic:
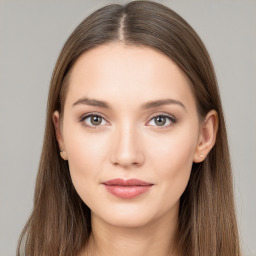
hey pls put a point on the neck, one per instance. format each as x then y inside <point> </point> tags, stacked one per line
<point>156,238</point>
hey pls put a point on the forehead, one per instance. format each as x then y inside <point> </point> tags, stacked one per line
<point>126,73</point>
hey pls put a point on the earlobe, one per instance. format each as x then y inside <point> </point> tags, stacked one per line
<point>63,154</point>
<point>207,136</point>
<point>58,133</point>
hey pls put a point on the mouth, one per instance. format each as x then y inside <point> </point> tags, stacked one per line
<point>127,189</point>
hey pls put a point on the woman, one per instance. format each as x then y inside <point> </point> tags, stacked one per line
<point>135,158</point>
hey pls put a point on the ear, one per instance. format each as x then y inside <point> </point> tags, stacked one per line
<point>207,136</point>
<point>58,132</point>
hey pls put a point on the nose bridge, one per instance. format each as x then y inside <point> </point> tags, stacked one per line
<point>127,147</point>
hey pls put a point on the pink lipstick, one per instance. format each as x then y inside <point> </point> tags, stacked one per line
<point>126,189</point>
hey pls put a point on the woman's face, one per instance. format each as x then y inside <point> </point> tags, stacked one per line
<point>129,114</point>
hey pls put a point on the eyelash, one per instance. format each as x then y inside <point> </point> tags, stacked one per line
<point>171,118</point>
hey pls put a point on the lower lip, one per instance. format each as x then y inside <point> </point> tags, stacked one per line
<point>126,192</point>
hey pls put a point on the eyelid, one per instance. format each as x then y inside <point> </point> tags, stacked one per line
<point>172,118</point>
<point>91,114</point>
<point>162,114</point>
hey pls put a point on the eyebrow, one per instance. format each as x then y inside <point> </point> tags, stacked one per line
<point>147,105</point>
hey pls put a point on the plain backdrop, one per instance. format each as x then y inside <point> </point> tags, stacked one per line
<point>31,36</point>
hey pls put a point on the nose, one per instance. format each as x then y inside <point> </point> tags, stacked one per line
<point>127,150</point>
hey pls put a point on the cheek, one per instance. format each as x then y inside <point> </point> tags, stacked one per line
<point>84,151</point>
<point>172,160</point>
<point>85,158</point>
<point>174,151</point>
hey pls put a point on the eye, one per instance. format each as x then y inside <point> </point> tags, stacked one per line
<point>162,120</point>
<point>93,120</point>
<point>96,120</point>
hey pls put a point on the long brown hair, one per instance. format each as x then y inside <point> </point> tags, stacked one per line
<point>60,221</point>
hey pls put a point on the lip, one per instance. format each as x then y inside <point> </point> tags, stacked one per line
<point>127,189</point>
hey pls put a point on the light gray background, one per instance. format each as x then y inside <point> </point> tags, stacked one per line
<point>31,36</point>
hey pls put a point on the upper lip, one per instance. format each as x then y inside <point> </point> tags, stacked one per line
<point>129,182</point>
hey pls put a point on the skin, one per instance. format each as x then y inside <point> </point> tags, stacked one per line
<point>129,143</point>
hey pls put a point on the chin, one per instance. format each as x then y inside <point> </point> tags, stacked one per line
<point>127,221</point>
<point>129,216</point>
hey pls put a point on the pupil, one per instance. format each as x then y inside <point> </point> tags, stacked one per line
<point>96,120</point>
<point>160,120</point>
